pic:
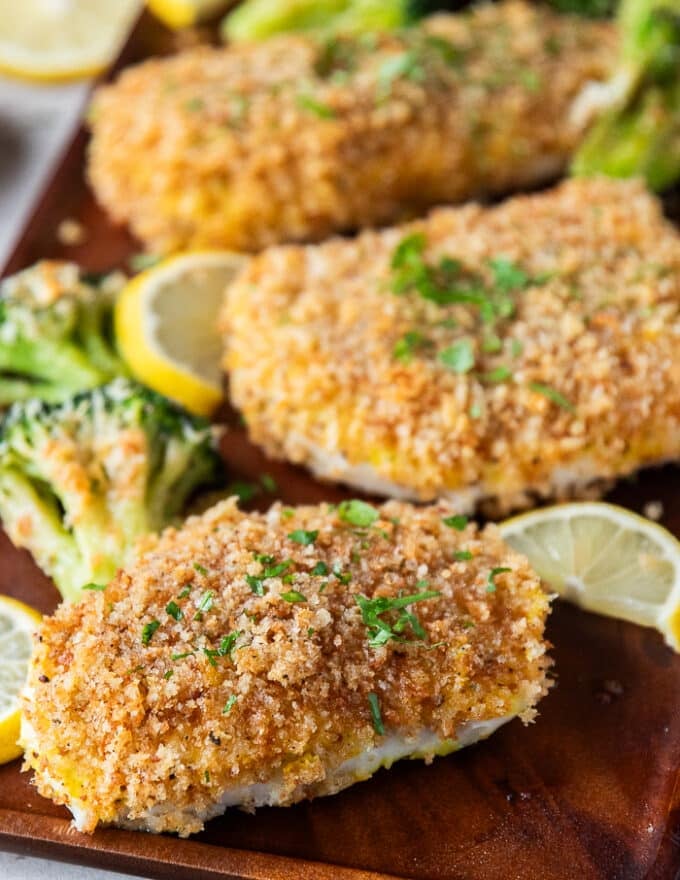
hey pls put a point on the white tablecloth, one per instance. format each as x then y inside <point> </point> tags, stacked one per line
<point>35,124</point>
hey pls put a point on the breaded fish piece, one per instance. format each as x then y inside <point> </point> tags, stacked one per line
<point>253,659</point>
<point>486,355</point>
<point>295,137</point>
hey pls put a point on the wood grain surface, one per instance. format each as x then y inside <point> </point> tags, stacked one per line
<point>588,792</point>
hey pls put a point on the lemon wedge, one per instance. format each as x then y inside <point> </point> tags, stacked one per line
<point>166,326</point>
<point>17,624</point>
<point>185,13</point>
<point>605,559</point>
<point>55,40</point>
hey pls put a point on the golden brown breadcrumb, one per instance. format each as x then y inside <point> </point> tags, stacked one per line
<point>554,360</point>
<point>295,137</point>
<point>137,712</point>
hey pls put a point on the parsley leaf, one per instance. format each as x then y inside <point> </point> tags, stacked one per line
<point>323,111</point>
<point>406,347</point>
<point>381,631</point>
<point>376,717</point>
<point>458,357</point>
<point>320,569</point>
<point>255,584</point>
<point>229,705</point>
<point>462,555</point>
<point>228,644</point>
<point>491,583</point>
<point>148,630</point>
<point>200,569</point>
<point>300,536</point>
<point>357,513</point>
<point>268,483</point>
<point>173,609</point>
<point>508,275</point>
<point>205,604</point>
<point>553,395</point>
<point>457,522</point>
<point>293,596</point>
<point>96,587</point>
<point>500,374</point>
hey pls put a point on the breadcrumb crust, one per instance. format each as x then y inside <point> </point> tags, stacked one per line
<point>591,352</point>
<point>122,733</point>
<point>293,139</point>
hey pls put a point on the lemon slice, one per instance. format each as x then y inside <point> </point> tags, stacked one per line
<point>605,559</point>
<point>17,624</point>
<point>185,13</point>
<point>166,326</point>
<point>62,39</point>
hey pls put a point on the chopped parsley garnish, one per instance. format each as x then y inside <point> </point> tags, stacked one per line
<point>475,411</point>
<point>310,631</point>
<point>255,584</point>
<point>200,569</point>
<point>287,512</point>
<point>229,705</point>
<point>553,395</point>
<point>301,536</point>
<point>357,513</point>
<point>491,343</point>
<point>462,555</point>
<point>268,483</point>
<point>167,675</point>
<point>529,79</point>
<point>211,656</point>
<point>293,596</point>
<point>186,654</point>
<point>406,65</point>
<point>244,491</point>
<point>185,592</point>
<point>96,587</point>
<point>457,522</point>
<point>491,582</point>
<point>406,347</point>
<point>277,570</point>
<point>343,576</point>
<point>516,348</point>
<point>422,584</point>
<point>323,111</point>
<point>206,775</point>
<point>264,558</point>
<point>500,374</point>
<point>228,644</point>
<point>148,630</point>
<point>204,605</point>
<point>173,609</point>
<point>458,357</point>
<point>320,569</point>
<point>380,630</point>
<point>376,717</point>
<point>508,275</point>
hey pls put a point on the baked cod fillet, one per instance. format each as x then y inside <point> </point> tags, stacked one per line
<point>253,659</point>
<point>489,355</point>
<point>296,137</point>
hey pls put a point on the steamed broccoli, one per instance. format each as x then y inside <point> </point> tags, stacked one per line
<point>55,333</point>
<point>640,135</point>
<point>82,480</point>
<point>258,19</point>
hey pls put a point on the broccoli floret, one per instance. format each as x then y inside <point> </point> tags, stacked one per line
<point>640,134</point>
<point>55,333</point>
<point>82,480</point>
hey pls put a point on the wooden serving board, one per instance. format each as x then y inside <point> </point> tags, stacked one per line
<point>589,791</point>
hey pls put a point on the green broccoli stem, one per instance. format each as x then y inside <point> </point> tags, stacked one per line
<point>258,19</point>
<point>640,136</point>
<point>61,365</point>
<point>94,335</point>
<point>31,520</point>
<point>12,390</point>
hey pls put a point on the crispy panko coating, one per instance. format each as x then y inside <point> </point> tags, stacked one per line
<point>488,355</point>
<point>294,138</point>
<point>234,664</point>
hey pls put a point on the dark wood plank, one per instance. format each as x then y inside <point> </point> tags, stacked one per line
<point>589,791</point>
